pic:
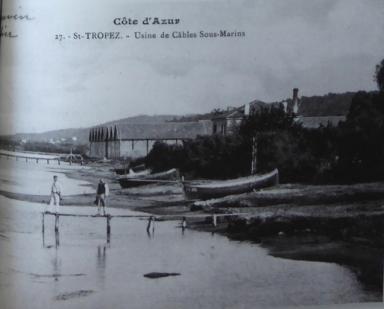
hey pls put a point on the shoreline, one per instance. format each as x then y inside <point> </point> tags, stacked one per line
<point>288,202</point>
<point>322,231</point>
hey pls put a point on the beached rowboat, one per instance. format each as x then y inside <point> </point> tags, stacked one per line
<point>125,170</point>
<point>219,188</point>
<point>145,178</point>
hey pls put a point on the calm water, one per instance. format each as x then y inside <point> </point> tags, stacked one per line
<point>32,178</point>
<point>42,271</point>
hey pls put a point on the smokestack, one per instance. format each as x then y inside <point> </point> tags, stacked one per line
<point>295,100</point>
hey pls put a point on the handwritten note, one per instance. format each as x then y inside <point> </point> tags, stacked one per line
<point>7,20</point>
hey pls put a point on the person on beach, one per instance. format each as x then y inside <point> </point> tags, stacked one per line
<point>101,195</point>
<point>55,193</point>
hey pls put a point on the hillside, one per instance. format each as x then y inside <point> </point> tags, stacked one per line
<point>80,135</point>
<point>142,119</point>
<point>328,105</point>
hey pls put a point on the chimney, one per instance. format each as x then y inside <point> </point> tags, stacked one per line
<point>295,100</point>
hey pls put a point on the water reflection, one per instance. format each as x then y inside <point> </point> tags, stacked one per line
<point>101,264</point>
<point>101,256</point>
<point>57,240</point>
<point>56,263</point>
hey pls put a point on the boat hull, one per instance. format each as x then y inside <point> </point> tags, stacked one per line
<point>125,170</point>
<point>216,189</point>
<point>141,180</point>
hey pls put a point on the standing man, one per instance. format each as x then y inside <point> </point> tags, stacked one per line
<point>55,193</point>
<point>101,195</point>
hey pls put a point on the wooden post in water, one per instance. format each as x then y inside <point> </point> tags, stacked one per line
<point>47,161</point>
<point>214,220</point>
<point>57,239</point>
<point>149,224</point>
<point>37,160</point>
<point>57,223</point>
<point>42,222</point>
<point>58,161</point>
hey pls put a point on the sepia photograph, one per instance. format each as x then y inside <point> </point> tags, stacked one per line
<point>191,154</point>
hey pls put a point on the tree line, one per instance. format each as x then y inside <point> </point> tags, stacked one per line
<point>352,151</point>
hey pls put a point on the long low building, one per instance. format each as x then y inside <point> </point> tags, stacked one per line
<point>136,140</point>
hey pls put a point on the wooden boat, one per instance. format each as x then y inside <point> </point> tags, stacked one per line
<point>145,178</point>
<point>132,174</point>
<point>220,188</point>
<point>124,170</point>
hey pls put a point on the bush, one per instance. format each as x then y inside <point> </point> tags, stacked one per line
<point>207,156</point>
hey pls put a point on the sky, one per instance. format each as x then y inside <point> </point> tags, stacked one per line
<point>319,46</point>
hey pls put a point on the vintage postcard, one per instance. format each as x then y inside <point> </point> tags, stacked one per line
<point>191,154</point>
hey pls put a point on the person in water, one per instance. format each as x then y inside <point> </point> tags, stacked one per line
<point>101,195</point>
<point>55,193</point>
